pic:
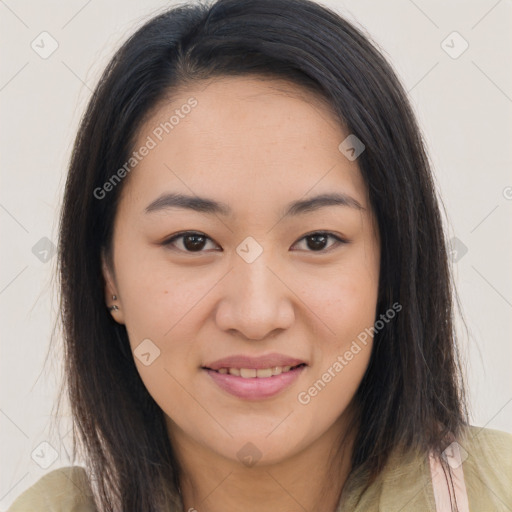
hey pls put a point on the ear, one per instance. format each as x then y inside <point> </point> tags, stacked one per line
<point>111,291</point>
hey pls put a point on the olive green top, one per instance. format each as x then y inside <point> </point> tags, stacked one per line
<point>405,484</point>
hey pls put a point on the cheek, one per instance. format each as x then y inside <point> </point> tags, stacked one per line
<point>342,351</point>
<point>343,300</point>
<point>155,299</point>
<point>163,307</point>
<point>161,321</point>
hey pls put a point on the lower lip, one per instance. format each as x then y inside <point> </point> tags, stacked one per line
<point>255,388</point>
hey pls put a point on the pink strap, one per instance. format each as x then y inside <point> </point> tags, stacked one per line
<point>441,485</point>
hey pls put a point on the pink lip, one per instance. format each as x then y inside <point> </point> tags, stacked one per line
<point>255,388</point>
<point>242,361</point>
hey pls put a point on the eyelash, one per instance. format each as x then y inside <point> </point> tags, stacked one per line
<point>183,234</point>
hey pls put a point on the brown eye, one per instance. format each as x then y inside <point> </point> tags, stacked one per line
<point>318,241</point>
<point>190,241</point>
<point>194,242</point>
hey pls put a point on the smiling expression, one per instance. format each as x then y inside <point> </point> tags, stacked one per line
<point>276,266</point>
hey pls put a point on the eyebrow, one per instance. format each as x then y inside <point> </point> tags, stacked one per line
<point>212,207</point>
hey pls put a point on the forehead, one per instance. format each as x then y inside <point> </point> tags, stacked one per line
<point>246,139</point>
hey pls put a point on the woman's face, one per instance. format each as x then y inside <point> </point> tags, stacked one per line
<point>263,286</point>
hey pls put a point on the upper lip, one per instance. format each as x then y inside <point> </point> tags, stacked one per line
<point>243,361</point>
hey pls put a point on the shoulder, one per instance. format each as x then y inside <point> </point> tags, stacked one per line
<point>486,458</point>
<point>405,483</point>
<point>488,438</point>
<point>487,448</point>
<point>65,489</point>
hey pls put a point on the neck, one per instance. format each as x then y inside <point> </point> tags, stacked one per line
<point>312,479</point>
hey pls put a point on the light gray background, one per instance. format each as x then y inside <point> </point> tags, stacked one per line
<point>464,107</point>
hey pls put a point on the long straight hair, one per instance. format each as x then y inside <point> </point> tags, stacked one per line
<point>412,393</point>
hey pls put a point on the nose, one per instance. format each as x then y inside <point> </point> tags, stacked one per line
<point>255,300</point>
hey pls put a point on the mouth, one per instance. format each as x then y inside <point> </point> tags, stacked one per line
<point>253,384</point>
<point>258,373</point>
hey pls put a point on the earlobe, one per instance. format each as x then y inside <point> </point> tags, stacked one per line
<point>111,295</point>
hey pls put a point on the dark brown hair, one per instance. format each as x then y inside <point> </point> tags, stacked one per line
<point>412,393</point>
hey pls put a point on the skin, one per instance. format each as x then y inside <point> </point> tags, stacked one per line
<point>255,145</point>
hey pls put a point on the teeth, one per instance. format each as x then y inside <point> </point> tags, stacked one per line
<point>264,373</point>
<point>250,373</point>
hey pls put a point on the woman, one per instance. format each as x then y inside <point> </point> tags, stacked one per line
<point>255,290</point>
